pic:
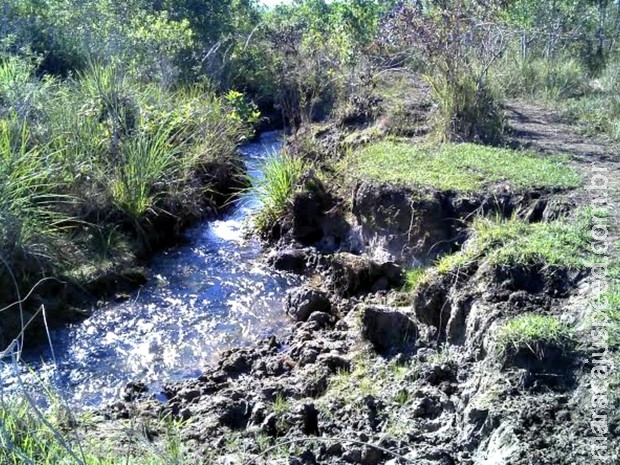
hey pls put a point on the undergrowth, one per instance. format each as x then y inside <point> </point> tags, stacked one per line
<point>100,151</point>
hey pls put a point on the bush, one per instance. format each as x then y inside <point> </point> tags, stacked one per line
<point>458,42</point>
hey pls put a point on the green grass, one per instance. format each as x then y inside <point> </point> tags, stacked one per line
<point>413,277</point>
<point>275,189</point>
<point>29,214</point>
<point>562,243</point>
<point>461,167</point>
<point>148,159</point>
<point>32,436</point>
<point>533,332</point>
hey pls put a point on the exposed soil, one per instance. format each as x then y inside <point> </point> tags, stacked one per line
<point>372,375</point>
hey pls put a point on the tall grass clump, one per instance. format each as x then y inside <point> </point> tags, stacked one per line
<point>25,439</point>
<point>32,435</point>
<point>467,109</point>
<point>29,199</point>
<point>549,79</point>
<point>275,189</point>
<point>148,166</point>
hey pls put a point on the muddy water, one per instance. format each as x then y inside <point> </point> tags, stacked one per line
<point>206,296</point>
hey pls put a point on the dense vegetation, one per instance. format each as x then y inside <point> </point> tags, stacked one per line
<point>115,116</point>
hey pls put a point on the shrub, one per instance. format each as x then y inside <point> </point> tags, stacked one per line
<point>458,42</point>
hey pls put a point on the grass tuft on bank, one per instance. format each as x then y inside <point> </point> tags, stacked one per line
<point>460,167</point>
<point>30,435</point>
<point>535,333</point>
<point>275,189</point>
<point>513,241</point>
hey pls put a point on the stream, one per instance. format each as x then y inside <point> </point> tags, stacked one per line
<point>208,295</point>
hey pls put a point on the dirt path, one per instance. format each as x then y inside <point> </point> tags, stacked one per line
<point>542,129</point>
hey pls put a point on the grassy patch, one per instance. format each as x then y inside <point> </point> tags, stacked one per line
<point>533,332</point>
<point>517,242</point>
<point>461,167</point>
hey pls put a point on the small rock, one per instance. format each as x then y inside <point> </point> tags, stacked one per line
<point>334,449</point>
<point>353,274</point>
<point>234,414</point>
<point>302,302</point>
<point>236,363</point>
<point>335,362</point>
<point>371,456</point>
<point>426,407</point>
<point>387,328</point>
<point>437,374</point>
<point>292,260</point>
<point>258,413</point>
<point>320,318</point>
<point>308,356</point>
<point>270,425</point>
<point>134,390</point>
<point>353,455</point>
<point>305,458</point>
